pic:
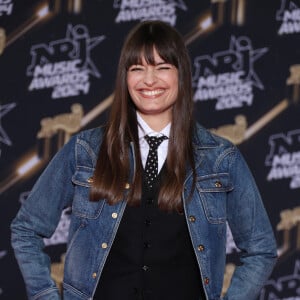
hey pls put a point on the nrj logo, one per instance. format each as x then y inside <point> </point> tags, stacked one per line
<point>64,65</point>
<point>289,17</point>
<point>284,157</point>
<point>140,10</point>
<point>284,288</point>
<point>228,76</point>
<point>6,7</point>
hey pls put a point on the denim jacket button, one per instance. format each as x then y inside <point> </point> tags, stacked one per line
<point>192,219</point>
<point>201,248</point>
<point>104,245</point>
<point>90,179</point>
<point>206,280</point>
<point>94,275</point>
<point>114,215</point>
<point>218,184</point>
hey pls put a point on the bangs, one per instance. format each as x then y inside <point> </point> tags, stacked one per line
<point>145,50</point>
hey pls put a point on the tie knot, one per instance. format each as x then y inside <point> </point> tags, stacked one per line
<point>154,141</point>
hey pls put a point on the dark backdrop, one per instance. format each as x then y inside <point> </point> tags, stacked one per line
<point>57,68</point>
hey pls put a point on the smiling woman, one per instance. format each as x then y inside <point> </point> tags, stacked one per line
<point>153,82</point>
<point>151,195</point>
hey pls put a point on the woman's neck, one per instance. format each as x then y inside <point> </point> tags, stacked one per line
<point>156,123</point>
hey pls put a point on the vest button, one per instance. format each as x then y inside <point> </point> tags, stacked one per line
<point>192,219</point>
<point>200,248</point>
<point>145,268</point>
<point>147,222</point>
<point>127,186</point>
<point>147,245</point>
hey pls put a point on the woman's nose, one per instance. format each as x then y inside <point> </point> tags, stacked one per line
<point>150,77</point>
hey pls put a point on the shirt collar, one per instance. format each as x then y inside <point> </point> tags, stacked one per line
<point>144,129</point>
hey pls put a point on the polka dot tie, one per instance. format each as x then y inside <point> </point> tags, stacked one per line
<point>151,167</point>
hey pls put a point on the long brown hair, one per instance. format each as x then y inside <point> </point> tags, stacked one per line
<point>113,167</point>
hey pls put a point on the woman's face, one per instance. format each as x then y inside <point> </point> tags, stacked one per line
<point>153,88</point>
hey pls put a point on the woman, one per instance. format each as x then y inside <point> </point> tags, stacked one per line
<point>140,234</point>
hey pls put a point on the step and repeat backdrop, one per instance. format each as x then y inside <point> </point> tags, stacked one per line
<point>57,69</point>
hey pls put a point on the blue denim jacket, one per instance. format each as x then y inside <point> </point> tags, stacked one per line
<point>225,192</point>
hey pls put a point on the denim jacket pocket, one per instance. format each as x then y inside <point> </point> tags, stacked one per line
<point>82,206</point>
<point>213,191</point>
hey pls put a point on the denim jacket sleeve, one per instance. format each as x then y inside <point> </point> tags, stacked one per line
<point>38,218</point>
<point>252,233</point>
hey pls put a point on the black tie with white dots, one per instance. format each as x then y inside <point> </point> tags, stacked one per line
<point>151,167</point>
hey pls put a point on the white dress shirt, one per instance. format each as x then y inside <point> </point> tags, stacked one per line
<point>162,151</point>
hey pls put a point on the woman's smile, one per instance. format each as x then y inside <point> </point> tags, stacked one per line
<point>152,93</point>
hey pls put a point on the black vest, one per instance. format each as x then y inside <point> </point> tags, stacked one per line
<point>152,257</point>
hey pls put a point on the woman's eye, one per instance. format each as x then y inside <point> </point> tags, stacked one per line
<point>164,67</point>
<point>136,68</point>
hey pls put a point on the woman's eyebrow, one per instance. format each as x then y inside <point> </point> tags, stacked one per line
<point>161,63</point>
